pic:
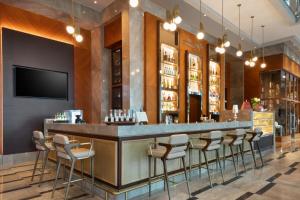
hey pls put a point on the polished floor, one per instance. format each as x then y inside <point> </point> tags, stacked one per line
<point>279,179</point>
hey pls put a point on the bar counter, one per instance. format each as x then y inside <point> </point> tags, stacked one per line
<point>121,151</point>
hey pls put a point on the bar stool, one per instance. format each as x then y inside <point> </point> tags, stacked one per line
<point>174,149</point>
<point>42,144</point>
<point>72,152</point>
<point>253,137</point>
<point>234,139</point>
<point>207,142</point>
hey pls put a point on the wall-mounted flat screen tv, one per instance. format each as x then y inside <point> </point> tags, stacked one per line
<point>32,82</point>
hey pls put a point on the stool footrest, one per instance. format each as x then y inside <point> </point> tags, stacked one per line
<point>74,181</point>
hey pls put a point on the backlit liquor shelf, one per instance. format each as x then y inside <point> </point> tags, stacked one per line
<point>214,87</point>
<point>168,80</point>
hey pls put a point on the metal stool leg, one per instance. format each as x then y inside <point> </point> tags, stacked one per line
<point>233,160</point>
<point>242,155</point>
<point>93,175</point>
<point>220,166</point>
<point>149,176</point>
<point>70,179</point>
<point>190,163</point>
<point>166,177</point>
<point>82,171</point>
<point>205,157</point>
<point>237,160</point>
<point>259,151</point>
<point>253,155</point>
<point>56,177</point>
<point>224,156</point>
<point>35,164</point>
<point>44,166</point>
<point>186,179</point>
<point>200,163</point>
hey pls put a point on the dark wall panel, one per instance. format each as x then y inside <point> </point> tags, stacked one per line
<point>23,115</point>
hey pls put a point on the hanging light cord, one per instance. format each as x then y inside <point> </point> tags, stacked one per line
<point>222,17</point>
<point>72,13</point>
<point>239,5</point>
<point>200,11</point>
<point>263,42</point>
<point>252,18</point>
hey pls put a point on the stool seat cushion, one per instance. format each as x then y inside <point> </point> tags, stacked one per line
<point>228,140</point>
<point>249,136</point>
<point>202,144</point>
<point>79,153</point>
<point>160,152</point>
<point>49,145</point>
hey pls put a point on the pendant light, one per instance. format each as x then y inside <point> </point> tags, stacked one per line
<point>70,27</point>
<point>224,42</point>
<point>263,64</point>
<point>239,51</point>
<point>173,19</point>
<point>134,3</point>
<point>201,34</point>
<point>252,60</point>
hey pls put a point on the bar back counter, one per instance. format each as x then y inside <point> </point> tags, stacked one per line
<point>121,160</point>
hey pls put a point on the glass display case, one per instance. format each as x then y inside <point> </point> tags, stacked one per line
<point>116,78</point>
<point>194,74</point>
<point>168,81</point>
<point>279,93</point>
<point>214,87</point>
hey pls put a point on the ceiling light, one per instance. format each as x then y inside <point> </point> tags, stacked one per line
<point>173,26</point>
<point>263,65</point>
<point>133,3</point>
<point>223,42</point>
<point>255,58</point>
<point>78,37</point>
<point>239,53</point>
<point>201,34</point>
<point>252,64</point>
<point>177,20</point>
<point>95,2</point>
<point>227,44</point>
<point>70,29</point>
<point>222,50</point>
<point>166,26</point>
<point>247,63</point>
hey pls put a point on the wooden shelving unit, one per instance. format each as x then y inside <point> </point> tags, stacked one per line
<point>116,78</point>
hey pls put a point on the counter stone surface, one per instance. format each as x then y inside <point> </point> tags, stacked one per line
<point>144,130</point>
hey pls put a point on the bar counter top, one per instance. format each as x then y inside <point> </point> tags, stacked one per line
<point>144,130</point>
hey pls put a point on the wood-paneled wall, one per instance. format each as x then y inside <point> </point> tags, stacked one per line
<point>113,32</point>
<point>24,21</point>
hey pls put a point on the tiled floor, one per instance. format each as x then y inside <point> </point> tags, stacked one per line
<point>279,179</point>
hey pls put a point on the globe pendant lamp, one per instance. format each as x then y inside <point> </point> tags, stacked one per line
<point>201,34</point>
<point>263,64</point>
<point>239,51</point>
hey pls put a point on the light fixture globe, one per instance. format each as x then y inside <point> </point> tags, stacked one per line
<point>222,50</point>
<point>200,35</point>
<point>173,26</point>
<point>239,53</point>
<point>70,29</point>
<point>78,38</point>
<point>247,63</point>
<point>166,26</point>
<point>177,20</point>
<point>227,44</point>
<point>252,64</point>
<point>217,49</point>
<point>255,58</point>
<point>263,65</point>
<point>133,3</point>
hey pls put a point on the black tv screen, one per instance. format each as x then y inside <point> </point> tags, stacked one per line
<point>31,82</point>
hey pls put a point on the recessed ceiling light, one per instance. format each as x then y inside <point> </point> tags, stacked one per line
<point>95,2</point>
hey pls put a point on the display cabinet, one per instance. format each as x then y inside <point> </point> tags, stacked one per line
<point>168,82</point>
<point>280,93</point>
<point>214,87</point>
<point>116,78</point>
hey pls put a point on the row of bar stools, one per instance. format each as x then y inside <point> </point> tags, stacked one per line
<point>207,142</point>
<point>174,149</point>
<point>42,144</point>
<point>68,150</point>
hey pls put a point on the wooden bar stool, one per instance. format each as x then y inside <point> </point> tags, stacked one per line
<point>253,137</point>
<point>72,152</point>
<point>207,142</point>
<point>42,144</point>
<point>174,149</point>
<point>235,139</point>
